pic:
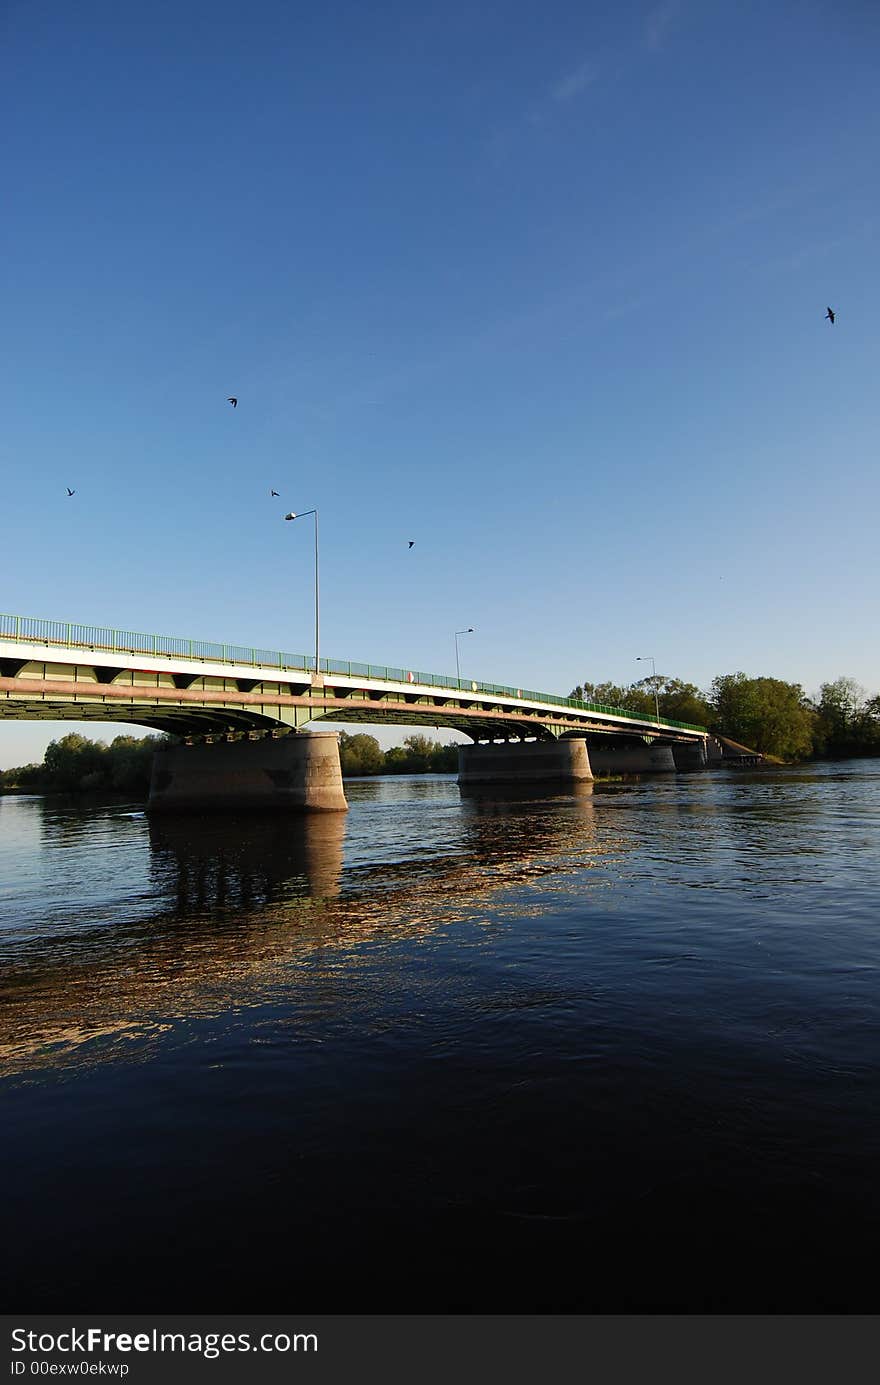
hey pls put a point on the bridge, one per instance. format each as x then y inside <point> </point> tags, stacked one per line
<point>203,693</point>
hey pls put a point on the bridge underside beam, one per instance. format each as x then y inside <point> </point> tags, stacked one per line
<point>196,711</point>
<point>478,725</point>
<point>189,720</point>
<point>174,721</point>
<point>228,706</point>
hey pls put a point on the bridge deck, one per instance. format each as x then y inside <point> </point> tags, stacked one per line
<point>59,670</point>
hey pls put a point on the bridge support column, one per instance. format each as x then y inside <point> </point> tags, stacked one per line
<point>295,773</point>
<point>528,762</point>
<point>689,755</point>
<point>635,759</point>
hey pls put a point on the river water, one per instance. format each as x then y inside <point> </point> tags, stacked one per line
<point>615,1050</point>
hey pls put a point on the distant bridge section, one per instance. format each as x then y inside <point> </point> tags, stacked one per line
<point>57,670</point>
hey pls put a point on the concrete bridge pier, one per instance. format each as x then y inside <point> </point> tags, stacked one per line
<point>297,773</point>
<point>525,762</point>
<point>689,755</point>
<point>632,759</point>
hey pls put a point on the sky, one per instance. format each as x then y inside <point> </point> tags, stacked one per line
<point>540,287</point>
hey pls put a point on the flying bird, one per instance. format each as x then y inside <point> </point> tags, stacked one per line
<point>233,401</point>
<point>70,492</point>
<point>830,316</point>
<point>411,542</point>
<point>274,492</point>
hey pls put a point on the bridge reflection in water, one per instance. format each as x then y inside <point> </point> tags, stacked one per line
<point>217,864</point>
<point>243,906</point>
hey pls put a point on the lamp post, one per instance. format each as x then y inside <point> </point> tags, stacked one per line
<point>468,631</point>
<point>639,659</point>
<point>301,515</point>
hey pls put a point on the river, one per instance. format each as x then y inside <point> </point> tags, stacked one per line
<point>613,1050</point>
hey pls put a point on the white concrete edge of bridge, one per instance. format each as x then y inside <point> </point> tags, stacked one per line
<point>40,652</point>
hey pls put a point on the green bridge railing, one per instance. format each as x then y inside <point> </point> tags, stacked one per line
<point>101,638</point>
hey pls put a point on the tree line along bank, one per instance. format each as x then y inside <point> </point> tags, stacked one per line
<point>75,764</point>
<point>765,714</point>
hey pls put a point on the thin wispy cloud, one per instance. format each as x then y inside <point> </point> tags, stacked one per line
<point>574,83</point>
<point>658,23</point>
<point>603,298</point>
<point>819,250</point>
<point>563,92</point>
<point>618,310</point>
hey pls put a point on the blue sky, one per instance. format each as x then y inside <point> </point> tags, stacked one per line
<point>540,287</point>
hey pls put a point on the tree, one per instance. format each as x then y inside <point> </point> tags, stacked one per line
<point>418,750</point>
<point>633,698</point>
<point>360,754</point>
<point>676,699</point>
<point>396,760</point>
<point>72,760</point>
<point>846,723</point>
<point>766,714</point>
<point>683,702</point>
<point>22,777</point>
<point>869,718</point>
<point>420,755</point>
<point>444,758</point>
<point>76,764</point>
<point>131,762</point>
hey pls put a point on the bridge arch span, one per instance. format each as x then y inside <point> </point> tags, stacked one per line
<point>53,670</point>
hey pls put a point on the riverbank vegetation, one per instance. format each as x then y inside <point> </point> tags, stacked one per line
<point>362,754</point>
<point>75,764</point>
<point>765,714</point>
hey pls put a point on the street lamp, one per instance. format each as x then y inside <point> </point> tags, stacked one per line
<point>468,631</point>
<point>301,515</point>
<point>639,659</point>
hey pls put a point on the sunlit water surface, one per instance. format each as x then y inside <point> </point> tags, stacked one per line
<point>609,1051</point>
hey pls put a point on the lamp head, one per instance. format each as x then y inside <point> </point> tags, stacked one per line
<point>292,515</point>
